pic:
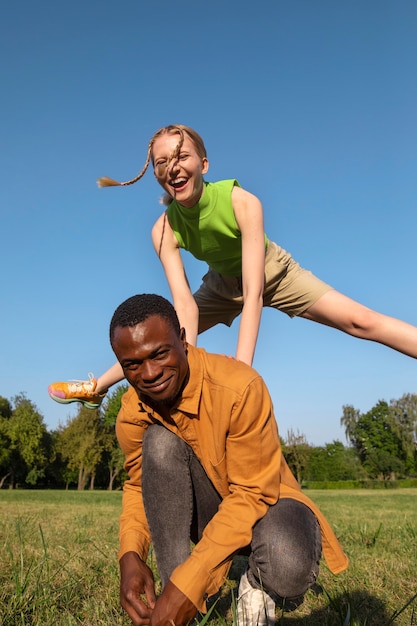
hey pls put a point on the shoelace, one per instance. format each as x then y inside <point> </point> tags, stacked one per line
<point>86,386</point>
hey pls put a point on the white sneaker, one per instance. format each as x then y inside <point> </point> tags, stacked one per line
<point>254,606</point>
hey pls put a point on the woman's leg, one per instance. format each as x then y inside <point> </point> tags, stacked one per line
<point>112,376</point>
<point>219,300</point>
<point>90,393</point>
<point>336,310</point>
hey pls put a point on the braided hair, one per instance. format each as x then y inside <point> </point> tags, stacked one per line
<point>172,129</point>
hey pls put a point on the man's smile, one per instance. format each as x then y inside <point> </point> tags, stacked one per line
<point>157,387</point>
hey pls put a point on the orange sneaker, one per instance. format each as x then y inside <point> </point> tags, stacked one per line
<point>83,391</point>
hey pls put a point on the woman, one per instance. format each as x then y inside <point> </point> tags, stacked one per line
<point>222,224</point>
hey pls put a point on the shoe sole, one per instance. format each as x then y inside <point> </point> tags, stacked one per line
<point>88,405</point>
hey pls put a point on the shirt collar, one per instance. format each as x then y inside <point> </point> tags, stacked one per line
<point>190,397</point>
<point>196,210</point>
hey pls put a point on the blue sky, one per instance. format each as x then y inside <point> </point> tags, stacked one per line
<point>310,105</point>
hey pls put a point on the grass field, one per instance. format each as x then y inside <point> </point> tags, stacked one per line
<point>59,567</point>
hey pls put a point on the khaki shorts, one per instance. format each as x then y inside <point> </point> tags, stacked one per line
<point>288,288</point>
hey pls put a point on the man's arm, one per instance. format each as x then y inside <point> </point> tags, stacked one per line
<point>172,607</point>
<point>136,580</point>
<point>134,530</point>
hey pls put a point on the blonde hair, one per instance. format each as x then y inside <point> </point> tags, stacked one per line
<point>173,129</point>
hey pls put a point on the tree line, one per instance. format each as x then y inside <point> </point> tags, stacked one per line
<point>382,445</point>
<point>84,453</point>
<point>81,453</point>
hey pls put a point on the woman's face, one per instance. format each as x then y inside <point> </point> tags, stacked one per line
<point>181,177</point>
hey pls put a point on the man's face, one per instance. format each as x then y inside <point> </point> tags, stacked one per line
<point>153,358</point>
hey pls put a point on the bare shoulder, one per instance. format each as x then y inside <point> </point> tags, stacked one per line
<point>240,194</point>
<point>159,224</point>
<point>163,237</point>
<point>245,203</point>
<point>162,227</point>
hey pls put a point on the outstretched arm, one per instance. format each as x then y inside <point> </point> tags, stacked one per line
<point>249,216</point>
<point>166,246</point>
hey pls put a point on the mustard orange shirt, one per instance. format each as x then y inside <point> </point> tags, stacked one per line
<point>226,415</point>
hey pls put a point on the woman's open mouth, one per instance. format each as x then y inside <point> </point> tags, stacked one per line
<point>179,183</point>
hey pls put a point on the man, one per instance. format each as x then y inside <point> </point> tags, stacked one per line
<point>205,464</point>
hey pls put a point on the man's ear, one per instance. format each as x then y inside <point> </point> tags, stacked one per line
<point>183,338</point>
<point>204,165</point>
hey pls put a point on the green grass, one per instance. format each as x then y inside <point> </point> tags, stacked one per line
<point>58,563</point>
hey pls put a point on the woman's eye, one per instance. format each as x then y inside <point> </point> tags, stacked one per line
<point>160,168</point>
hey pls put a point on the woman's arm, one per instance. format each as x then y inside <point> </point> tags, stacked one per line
<point>249,216</point>
<point>168,251</point>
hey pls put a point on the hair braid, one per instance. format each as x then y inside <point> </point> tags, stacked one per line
<point>105,181</point>
<point>172,129</point>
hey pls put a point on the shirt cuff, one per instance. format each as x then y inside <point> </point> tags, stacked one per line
<point>196,583</point>
<point>132,541</point>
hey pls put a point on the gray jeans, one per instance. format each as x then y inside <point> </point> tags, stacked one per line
<point>180,500</point>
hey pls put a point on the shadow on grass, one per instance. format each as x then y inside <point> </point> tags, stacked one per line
<point>355,608</point>
<point>358,608</point>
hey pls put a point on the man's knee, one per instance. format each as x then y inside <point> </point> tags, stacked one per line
<point>296,578</point>
<point>290,582</point>
<point>160,447</point>
<point>286,550</point>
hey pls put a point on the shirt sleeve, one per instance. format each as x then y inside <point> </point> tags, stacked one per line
<point>134,530</point>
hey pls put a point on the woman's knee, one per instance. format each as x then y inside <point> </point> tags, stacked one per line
<point>341,312</point>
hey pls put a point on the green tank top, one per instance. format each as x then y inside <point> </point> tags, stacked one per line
<point>209,230</point>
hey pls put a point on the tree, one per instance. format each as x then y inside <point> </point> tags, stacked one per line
<point>334,462</point>
<point>349,420</point>
<point>112,404</point>
<point>5,452</point>
<point>382,464</point>
<point>5,408</point>
<point>378,442</point>
<point>404,412</point>
<point>114,456</point>
<point>81,443</point>
<point>26,449</point>
<point>297,450</point>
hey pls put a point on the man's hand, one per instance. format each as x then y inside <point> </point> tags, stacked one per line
<point>172,608</point>
<point>136,580</point>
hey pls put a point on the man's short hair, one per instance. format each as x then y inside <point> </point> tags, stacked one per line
<point>137,309</point>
